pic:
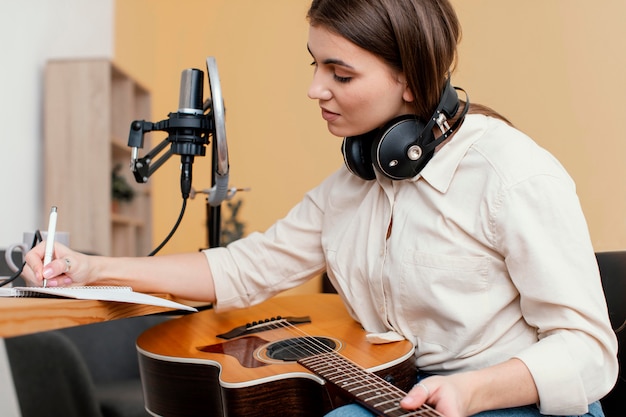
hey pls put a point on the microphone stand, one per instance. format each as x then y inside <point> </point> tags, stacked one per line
<point>188,134</point>
<point>214,214</point>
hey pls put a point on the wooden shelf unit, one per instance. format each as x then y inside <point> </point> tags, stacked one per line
<point>88,107</point>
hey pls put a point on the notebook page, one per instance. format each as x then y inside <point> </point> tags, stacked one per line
<point>119,294</point>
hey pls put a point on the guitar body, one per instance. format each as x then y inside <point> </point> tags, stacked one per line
<point>187,370</point>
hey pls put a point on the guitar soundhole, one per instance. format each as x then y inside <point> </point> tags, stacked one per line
<point>292,350</point>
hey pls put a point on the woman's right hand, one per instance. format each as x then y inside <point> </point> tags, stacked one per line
<point>67,267</point>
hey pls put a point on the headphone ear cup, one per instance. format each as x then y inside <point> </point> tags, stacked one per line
<point>357,155</point>
<point>398,151</point>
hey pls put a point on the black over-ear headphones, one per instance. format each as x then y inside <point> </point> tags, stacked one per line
<point>404,145</point>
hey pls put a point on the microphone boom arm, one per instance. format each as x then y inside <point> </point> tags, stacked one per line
<point>143,167</point>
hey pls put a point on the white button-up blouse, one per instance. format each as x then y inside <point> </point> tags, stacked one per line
<point>482,257</point>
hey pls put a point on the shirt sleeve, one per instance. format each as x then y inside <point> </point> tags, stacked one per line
<point>261,265</point>
<point>544,238</point>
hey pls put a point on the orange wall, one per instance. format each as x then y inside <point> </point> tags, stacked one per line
<point>556,69</point>
<point>278,144</point>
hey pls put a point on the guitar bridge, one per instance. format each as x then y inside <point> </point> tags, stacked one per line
<point>262,326</point>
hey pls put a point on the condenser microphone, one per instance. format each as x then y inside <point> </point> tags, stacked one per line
<point>191,92</point>
<point>188,130</point>
<point>190,135</point>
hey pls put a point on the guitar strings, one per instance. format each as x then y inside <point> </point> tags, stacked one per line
<point>313,346</point>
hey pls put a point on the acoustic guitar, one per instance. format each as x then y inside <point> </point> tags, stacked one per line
<point>289,356</point>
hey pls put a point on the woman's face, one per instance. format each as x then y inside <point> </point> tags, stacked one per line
<point>357,91</point>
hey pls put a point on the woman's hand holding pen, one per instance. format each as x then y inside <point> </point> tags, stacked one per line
<point>66,268</point>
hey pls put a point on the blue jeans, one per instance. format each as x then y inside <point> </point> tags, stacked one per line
<point>354,410</point>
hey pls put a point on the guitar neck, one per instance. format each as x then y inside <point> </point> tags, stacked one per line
<point>367,388</point>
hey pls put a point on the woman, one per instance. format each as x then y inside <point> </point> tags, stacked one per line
<point>477,252</point>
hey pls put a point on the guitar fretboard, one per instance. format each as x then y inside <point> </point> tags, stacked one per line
<point>367,387</point>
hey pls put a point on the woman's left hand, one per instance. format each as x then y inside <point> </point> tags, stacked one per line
<point>439,392</point>
<point>505,385</point>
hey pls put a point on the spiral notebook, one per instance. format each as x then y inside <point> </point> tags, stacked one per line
<point>119,294</point>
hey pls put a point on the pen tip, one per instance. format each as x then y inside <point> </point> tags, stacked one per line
<point>54,209</point>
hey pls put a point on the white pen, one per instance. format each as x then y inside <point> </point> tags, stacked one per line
<point>52,225</point>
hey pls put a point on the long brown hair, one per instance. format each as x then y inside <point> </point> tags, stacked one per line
<point>416,37</point>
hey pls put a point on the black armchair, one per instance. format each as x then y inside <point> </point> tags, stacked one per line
<point>613,273</point>
<point>50,377</point>
<point>81,371</point>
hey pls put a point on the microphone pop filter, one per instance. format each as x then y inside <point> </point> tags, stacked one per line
<point>217,104</point>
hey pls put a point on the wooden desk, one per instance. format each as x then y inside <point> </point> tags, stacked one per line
<point>19,316</point>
